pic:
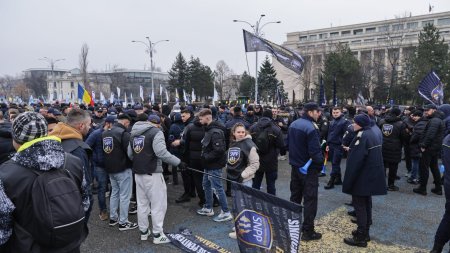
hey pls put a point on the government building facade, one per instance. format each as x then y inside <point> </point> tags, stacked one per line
<point>383,43</point>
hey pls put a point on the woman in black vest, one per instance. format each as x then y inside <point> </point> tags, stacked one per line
<point>242,158</point>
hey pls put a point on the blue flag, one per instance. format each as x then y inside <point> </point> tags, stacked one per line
<point>432,89</point>
<point>322,99</point>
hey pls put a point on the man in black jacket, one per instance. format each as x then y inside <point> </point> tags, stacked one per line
<point>36,154</point>
<point>118,166</point>
<point>430,146</point>
<point>268,161</point>
<point>394,132</point>
<point>72,134</point>
<point>191,149</point>
<point>213,159</point>
<point>336,131</point>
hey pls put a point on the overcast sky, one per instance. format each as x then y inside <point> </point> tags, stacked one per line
<point>32,29</point>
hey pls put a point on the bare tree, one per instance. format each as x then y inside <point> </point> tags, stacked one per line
<point>222,73</point>
<point>83,61</point>
<point>393,42</point>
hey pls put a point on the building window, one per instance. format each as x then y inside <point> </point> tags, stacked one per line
<point>356,42</point>
<point>444,21</point>
<point>357,31</point>
<point>428,22</point>
<point>384,28</point>
<point>334,34</point>
<point>323,35</point>
<point>371,30</point>
<point>397,27</point>
<point>303,38</point>
<point>412,25</point>
<point>313,37</point>
<point>345,33</point>
<point>382,38</point>
<point>72,85</point>
<point>54,85</point>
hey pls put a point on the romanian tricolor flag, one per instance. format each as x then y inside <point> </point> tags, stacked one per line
<point>84,96</point>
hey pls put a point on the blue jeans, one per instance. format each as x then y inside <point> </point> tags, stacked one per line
<point>211,184</point>
<point>121,184</point>
<point>102,179</point>
<point>414,168</point>
<point>271,177</point>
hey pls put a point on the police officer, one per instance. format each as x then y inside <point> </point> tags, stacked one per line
<point>364,177</point>
<point>443,232</point>
<point>304,144</point>
<point>337,129</point>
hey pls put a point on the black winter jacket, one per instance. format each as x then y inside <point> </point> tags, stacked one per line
<point>269,161</point>
<point>192,144</point>
<point>6,146</point>
<point>433,134</point>
<point>393,130</point>
<point>419,127</point>
<point>214,146</point>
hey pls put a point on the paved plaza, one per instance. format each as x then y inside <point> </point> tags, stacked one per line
<point>402,222</point>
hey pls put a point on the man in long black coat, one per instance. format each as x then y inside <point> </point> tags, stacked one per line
<point>443,232</point>
<point>364,177</point>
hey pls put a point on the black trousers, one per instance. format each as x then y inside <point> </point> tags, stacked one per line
<point>198,184</point>
<point>443,232</point>
<point>188,181</point>
<point>305,187</point>
<point>408,162</point>
<point>393,167</point>
<point>429,161</point>
<point>363,209</point>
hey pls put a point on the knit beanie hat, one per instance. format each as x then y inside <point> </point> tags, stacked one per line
<point>362,120</point>
<point>29,126</point>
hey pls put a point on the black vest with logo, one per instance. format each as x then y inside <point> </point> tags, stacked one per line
<point>144,158</point>
<point>237,158</point>
<point>116,159</point>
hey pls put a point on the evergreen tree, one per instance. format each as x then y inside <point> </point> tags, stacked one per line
<point>267,81</point>
<point>178,74</point>
<point>345,67</point>
<point>247,85</point>
<point>431,54</point>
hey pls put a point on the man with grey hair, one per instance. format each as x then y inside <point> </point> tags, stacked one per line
<point>71,134</point>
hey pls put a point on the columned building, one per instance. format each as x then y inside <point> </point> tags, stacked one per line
<point>387,43</point>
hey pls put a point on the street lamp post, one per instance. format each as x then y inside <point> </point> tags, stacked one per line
<point>52,62</point>
<point>257,30</point>
<point>150,48</point>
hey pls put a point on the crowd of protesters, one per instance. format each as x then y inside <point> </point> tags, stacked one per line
<point>130,153</point>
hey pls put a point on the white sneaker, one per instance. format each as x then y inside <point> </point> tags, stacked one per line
<point>145,235</point>
<point>205,211</point>
<point>232,235</point>
<point>282,157</point>
<point>160,239</point>
<point>223,216</point>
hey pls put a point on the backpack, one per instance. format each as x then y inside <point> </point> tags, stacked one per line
<point>57,208</point>
<point>262,140</point>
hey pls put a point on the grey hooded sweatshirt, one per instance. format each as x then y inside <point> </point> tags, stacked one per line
<point>159,145</point>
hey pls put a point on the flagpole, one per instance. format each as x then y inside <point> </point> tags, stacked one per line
<point>257,31</point>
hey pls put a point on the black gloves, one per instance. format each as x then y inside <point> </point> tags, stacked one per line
<point>182,166</point>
